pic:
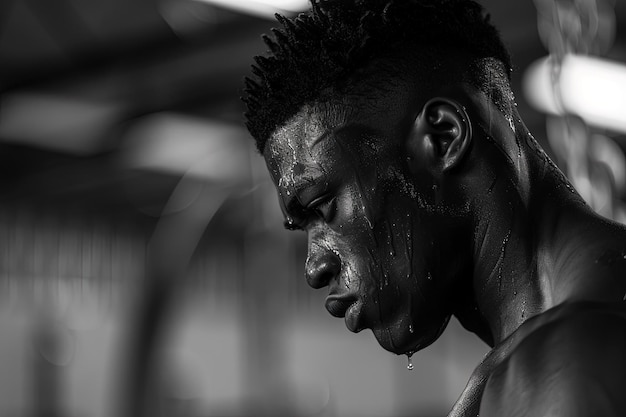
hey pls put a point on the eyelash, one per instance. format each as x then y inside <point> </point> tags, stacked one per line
<point>324,207</point>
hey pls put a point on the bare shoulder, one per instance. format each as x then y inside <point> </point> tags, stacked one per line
<point>573,364</point>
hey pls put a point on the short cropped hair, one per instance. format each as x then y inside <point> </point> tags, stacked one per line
<point>322,48</point>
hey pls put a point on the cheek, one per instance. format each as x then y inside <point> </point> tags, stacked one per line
<point>383,238</point>
<point>381,255</point>
<point>405,247</point>
<point>359,262</point>
<point>353,218</point>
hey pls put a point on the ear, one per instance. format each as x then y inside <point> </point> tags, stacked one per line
<point>441,135</point>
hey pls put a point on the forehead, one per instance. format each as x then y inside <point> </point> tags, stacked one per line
<point>309,140</point>
<point>296,150</point>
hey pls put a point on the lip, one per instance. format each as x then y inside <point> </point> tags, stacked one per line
<point>348,307</point>
<point>338,305</point>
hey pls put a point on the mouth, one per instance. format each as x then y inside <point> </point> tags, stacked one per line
<point>348,307</point>
<point>337,306</point>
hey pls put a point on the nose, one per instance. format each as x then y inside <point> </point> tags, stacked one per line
<point>322,266</point>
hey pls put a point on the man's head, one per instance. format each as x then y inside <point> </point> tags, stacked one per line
<point>333,110</point>
<point>321,53</point>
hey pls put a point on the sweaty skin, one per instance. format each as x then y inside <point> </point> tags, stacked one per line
<point>420,208</point>
<point>370,236</point>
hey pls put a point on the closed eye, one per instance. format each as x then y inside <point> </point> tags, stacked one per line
<point>324,206</point>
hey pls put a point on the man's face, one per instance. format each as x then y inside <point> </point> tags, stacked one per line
<point>374,236</point>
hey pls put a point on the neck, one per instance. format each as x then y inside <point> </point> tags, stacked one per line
<point>537,244</point>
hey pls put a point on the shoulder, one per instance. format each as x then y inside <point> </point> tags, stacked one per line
<point>573,364</point>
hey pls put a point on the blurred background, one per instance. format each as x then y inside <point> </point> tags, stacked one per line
<point>144,269</point>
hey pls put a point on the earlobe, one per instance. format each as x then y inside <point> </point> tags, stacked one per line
<point>441,135</point>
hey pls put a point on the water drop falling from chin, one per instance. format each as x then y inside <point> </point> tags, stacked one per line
<point>409,357</point>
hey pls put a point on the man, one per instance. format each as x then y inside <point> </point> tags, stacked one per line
<point>393,139</point>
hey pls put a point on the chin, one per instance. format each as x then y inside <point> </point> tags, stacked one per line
<point>399,340</point>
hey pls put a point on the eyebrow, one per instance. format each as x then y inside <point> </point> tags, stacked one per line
<point>325,135</point>
<point>293,202</point>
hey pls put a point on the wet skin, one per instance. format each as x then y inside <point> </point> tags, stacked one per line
<point>414,213</point>
<point>369,224</point>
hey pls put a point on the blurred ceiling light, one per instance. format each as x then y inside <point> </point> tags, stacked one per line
<point>185,145</point>
<point>262,8</point>
<point>592,88</point>
<point>63,124</point>
<point>187,16</point>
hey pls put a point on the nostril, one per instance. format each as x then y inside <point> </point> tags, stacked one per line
<point>321,270</point>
